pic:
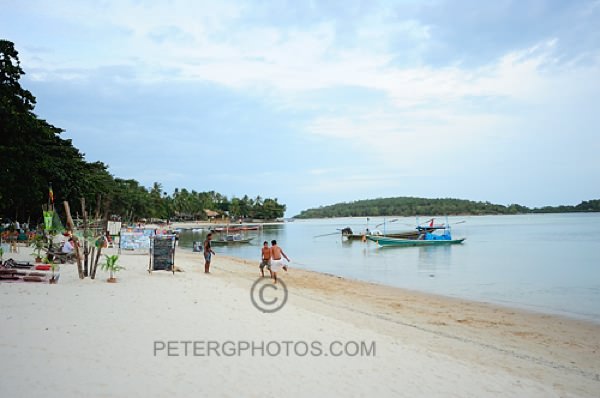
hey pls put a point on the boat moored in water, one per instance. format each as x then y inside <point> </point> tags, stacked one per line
<point>236,228</point>
<point>427,236</point>
<point>417,233</point>
<point>231,239</point>
<point>387,241</point>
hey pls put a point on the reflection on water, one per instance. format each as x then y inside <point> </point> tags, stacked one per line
<point>433,259</point>
<point>250,250</point>
<point>188,237</point>
<point>544,262</point>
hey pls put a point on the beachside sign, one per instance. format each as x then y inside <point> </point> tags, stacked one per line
<point>162,253</point>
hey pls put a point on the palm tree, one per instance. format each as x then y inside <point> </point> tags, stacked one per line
<point>111,266</point>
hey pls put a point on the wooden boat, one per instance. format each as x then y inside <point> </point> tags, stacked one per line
<point>418,233</point>
<point>231,239</point>
<point>236,228</point>
<point>426,236</point>
<point>386,241</point>
<point>401,235</point>
<point>413,234</point>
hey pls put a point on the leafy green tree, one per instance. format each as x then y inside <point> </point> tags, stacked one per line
<point>33,156</point>
<point>408,206</point>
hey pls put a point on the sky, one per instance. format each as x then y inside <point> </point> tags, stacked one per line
<point>320,102</point>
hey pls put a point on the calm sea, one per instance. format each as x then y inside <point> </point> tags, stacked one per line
<point>545,262</point>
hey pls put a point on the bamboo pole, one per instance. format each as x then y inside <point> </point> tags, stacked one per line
<point>105,222</point>
<point>96,217</point>
<point>98,204</point>
<point>95,265</point>
<point>86,251</point>
<point>71,226</point>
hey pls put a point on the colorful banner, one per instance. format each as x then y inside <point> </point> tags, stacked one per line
<point>135,240</point>
<point>48,216</point>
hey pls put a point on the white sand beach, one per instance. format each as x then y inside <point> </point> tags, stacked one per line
<point>96,339</point>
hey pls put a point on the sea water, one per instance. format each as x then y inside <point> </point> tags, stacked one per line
<point>548,263</point>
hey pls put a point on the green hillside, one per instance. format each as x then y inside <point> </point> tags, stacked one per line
<point>409,206</point>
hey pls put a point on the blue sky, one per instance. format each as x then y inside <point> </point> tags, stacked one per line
<point>318,102</point>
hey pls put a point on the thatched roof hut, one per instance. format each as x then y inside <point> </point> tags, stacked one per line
<point>211,213</point>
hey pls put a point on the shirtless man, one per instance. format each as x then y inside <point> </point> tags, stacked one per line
<point>276,261</point>
<point>266,259</point>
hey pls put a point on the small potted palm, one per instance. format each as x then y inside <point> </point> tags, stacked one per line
<point>38,246</point>
<point>53,267</point>
<point>112,267</point>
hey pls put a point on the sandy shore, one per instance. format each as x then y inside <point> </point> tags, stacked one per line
<point>188,335</point>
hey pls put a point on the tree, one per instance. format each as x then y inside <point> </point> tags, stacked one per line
<point>33,156</point>
<point>157,204</point>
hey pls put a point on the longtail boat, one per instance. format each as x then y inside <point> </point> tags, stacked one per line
<point>231,239</point>
<point>236,228</point>
<point>386,241</point>
<point>348,234</point>
<point>427,236</point>
<point>412,234</point>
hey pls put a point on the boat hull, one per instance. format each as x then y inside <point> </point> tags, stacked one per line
<point>218,242</point>
<point>401,235</point>
<point>232,229</point>
<point>386,241</point>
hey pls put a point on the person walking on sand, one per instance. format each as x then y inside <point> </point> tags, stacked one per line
<point>276,261</point>
<point>265,259</point>
<point>208,252</point>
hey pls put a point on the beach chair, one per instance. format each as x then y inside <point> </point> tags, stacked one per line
<point>10,263</point>
<point>62,257</point>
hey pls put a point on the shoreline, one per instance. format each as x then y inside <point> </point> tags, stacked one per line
<point>508,305</point>
<point>541,290</point>
<point>566,316</point>
<point>425,342</point>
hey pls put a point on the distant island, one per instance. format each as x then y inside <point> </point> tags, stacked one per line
<point>409,206</point>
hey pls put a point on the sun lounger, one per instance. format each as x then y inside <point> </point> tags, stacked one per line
<point>62,257</point>
<point>15,275</point>
<point>10,263</point>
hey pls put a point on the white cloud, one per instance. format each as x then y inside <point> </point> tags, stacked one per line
<point>471,119</point>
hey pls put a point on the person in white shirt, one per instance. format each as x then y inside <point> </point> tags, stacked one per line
<point>68,247</point>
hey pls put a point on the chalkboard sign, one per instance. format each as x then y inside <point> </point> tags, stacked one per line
<point>162,253</point>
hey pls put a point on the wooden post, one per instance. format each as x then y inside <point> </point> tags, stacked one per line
<point>104,229</point>
<point>86,251</point>
<point>71,226</point>
<point>96,217</point>
<point>95,266</point>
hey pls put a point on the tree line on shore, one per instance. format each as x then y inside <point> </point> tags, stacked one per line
<point>409,206</point>
<point>36,164</point>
